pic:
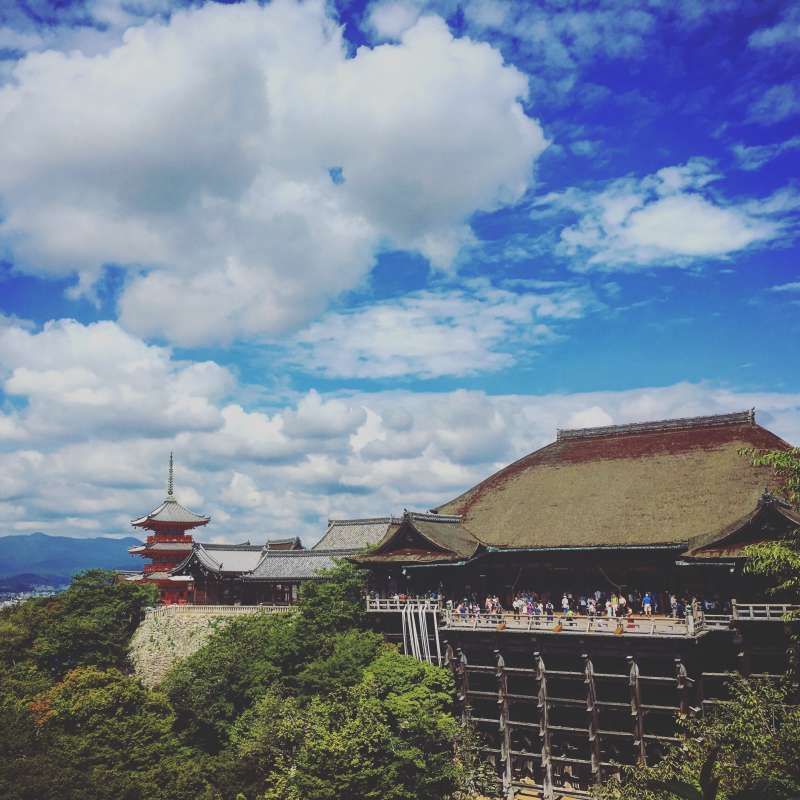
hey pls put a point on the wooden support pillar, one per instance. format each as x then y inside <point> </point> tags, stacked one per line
<point>701,694</point>
<point>462,684</point>
<point>793,659</point>
<point>743,660</point>
<point>544,727</point>
<point>503,707</point>
<point>684,684</point>
<point>636,711</point>
<point>593,710</point>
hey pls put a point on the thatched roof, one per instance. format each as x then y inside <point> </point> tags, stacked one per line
<point>772,519</point>
<point>647,484</point>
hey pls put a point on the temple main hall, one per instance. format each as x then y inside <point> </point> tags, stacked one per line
<point>666,506</point>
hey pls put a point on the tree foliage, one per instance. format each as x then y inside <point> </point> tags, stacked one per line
<point>748,749</point>
<point>388,737</point>
<point>786,464</point>
<point>310,706</point>
<point>779,561</point>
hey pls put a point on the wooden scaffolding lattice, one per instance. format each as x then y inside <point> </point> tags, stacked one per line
<point>561,773</point>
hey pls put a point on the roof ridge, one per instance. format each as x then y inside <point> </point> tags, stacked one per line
<point>362,520</point>
<point>432,516</point>
<point>301,553</point>
<point>222,546</point>
<point>655,426</point>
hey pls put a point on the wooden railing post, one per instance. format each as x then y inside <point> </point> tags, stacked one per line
<point>636,710</point>
<point>594,717</point>
<point>544,727</point>
<point>505,730</point>
<point>684,684</point>
<point>734,610</point>
<point>462,683</point>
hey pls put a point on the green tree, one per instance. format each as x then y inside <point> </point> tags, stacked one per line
<point>779,561</point>
<point>389,737</point>
<point>92,622</point>
<point>99,735</point>
<point>748,749</point>
<point>786,464</point>
<point>320,649</point>
<point>240,662</point>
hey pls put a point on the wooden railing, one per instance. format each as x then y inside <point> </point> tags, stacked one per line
<point>217,611</point>
<point>768,612</point>
<point>560,623</point>
<point>394,604</point>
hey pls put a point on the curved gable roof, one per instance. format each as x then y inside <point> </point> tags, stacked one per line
<point>168,513</point>
<point>355,534</point>
<point>656,483</point>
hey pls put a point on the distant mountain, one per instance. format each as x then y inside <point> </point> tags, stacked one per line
<point>28,582</point>
<point>56,557</point>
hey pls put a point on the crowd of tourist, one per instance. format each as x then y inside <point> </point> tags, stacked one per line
<point>599,603</point>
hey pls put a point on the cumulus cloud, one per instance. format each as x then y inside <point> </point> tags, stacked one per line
<point>429,334</point>
<point>73,377</point>
<point>556,39</point>
<point>199,154</point>
<point>91,26</point>
<point>672,217</point>
<point>101,411</point>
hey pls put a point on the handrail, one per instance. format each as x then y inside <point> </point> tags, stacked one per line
<point>219,611</point>
<point>398,604</point>
<point>776,612</point>
<point>562,623</point>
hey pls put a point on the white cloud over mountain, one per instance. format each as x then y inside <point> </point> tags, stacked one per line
<point>84,447</point>
<point>199,154</point>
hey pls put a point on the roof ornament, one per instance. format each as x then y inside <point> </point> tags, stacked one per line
<point>171,479</point>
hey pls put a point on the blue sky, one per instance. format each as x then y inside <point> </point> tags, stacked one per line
<point>347,259</point>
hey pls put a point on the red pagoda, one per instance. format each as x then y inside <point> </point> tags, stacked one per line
<point>168,545</point>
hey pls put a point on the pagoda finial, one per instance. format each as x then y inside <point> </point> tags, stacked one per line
<point>170,480</point>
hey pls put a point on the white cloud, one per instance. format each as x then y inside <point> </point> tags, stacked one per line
<point>391,20</point>
<point>555,38</point>
<point>754,157</point>
<point>91,26</point>
<point>792,286</point>
<point>669,218</point>
<point>72,376</point>
<point>430,334</point>
<point>784,32</point>
<point>199,149</point>
<point>84,468</point>
<point>776,104</point>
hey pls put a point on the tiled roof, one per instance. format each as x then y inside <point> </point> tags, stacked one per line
<point>293,564</point>
<point>224,557</point>
<point>655,483</point>
<point>292,543</point>
<point>355,534</point>
<point>424,538</point>
<point>171,511</point>
<point>171,547</point>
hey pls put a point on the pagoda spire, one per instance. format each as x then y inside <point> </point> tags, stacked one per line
<point>171,478</point>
